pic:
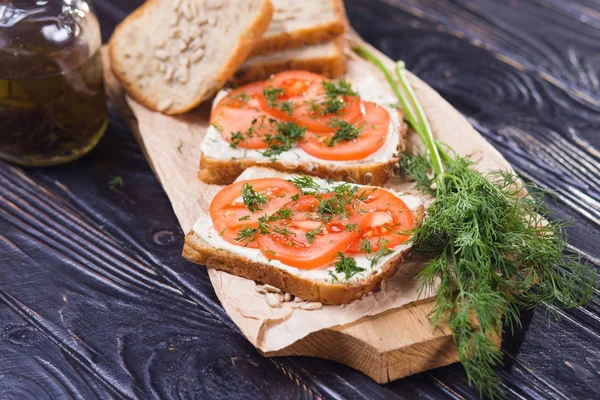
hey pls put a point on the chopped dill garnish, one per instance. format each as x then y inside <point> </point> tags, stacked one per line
<point>310,235</point>
<point>242,97</point>
<point>179,147</point>
<point>333,101</point>
<point>347,266</point>
<point>306,184</point>
<point>251,198</point>
<point>246,235</point>
<point>272,95</point>
<point>379,254</point>
<point>242,137</point>
<point>217,127</point>
<point>244,218</point>
<point>345,131</point>
<point>493,250</point>
<point>350,227</point>
<point>115,182</point>
<point>288,134</point>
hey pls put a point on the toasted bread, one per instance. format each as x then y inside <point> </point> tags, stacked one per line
<point>171,55</point>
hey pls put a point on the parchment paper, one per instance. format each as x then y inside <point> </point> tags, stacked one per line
<point>172,145</point>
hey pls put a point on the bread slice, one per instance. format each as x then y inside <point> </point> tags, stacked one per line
<point>170,55</point>
<point>326,291</point>
<point>324,58</point>
<point>298,23</point>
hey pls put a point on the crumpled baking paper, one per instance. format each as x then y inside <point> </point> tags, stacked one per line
<point>172,146</point>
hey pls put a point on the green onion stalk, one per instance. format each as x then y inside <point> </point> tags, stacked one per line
<point>493,251</point>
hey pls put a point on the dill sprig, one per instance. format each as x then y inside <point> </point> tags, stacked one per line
<point>344,131</point>
<point>287,134</point>
<point>272,95</point>
<point>347,266</point>
<point>332,100</point>
<point>252,199</point>
<point>493,250</point>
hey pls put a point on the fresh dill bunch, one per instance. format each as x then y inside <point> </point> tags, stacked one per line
<point>288,134</point>
<point>492,248</point>
<point>418,169</point>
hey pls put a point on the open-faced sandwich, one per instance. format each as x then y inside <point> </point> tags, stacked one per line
<point>318,239</point>
<point>297,121</point>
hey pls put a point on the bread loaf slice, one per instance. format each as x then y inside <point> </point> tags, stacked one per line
<point>298,23</point>
<point>290,279</point>
<point>170,55</point>
<point>323,58</point>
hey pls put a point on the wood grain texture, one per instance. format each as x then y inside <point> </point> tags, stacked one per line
<point>508,66</point>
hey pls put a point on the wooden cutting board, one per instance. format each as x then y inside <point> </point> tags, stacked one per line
<point>387,346</point>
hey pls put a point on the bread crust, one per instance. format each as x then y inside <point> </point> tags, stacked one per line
<point>223,172</point>
<point>245,44</point>
<point>302,37</point>
<point>332,67</point>
<point>198,251</point>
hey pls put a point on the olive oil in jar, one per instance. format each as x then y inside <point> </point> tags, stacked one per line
<point>52,102</point>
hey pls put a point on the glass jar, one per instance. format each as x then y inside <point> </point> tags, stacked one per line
<point>52,101</point>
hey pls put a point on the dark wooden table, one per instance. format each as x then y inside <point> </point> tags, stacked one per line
<point>96,301</point>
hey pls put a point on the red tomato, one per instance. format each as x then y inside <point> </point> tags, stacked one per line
<point>306,241</point>
<point>388,221</point>
<point>296,87</point>
<point>311,115</point>
<point>240,112</point>
<point>373,131</point>
<point>230,214</point>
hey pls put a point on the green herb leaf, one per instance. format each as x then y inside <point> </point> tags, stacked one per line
<point>345,131</point>
<point>288,134</point>
<point>351,227</point>
<point>333,102</point>
<point>251,198</point>
<point>310,236</point>
<point>272,95</point>
<point>115,182</point>
<point>493,251</point>
<point>306,184</point>
<point>347,266</point>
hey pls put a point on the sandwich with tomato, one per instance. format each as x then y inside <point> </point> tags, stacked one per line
<point>302,122</point>
<point>318,239</point>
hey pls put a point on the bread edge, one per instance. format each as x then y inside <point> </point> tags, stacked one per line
<point>198,251</point>
<point>245,44</point>
<point>332,67</point>
<point>301,37</point>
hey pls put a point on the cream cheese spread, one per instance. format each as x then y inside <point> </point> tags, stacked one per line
<point>369,89</point>
<point>204,228</point>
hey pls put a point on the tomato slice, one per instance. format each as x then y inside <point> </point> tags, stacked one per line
<point>313,115</point>
<point>240,112</point>
<point>230,215</point>
<point>387,222</point>
<point>306,241</point>
<point>374,128</point>
<point>296,87</point>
